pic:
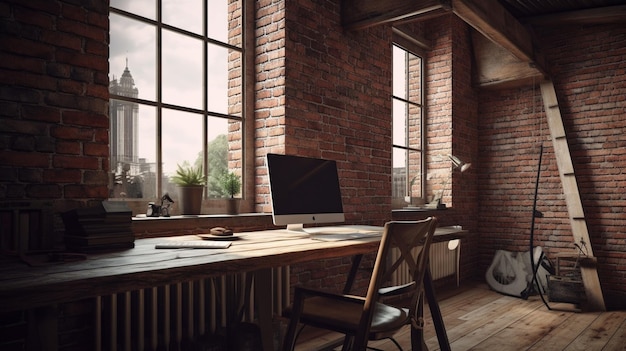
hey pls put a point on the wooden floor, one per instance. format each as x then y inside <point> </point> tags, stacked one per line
<point>477,318</point>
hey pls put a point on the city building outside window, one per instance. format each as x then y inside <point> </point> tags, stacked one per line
<point>176,93</point>
<point>408,128</point>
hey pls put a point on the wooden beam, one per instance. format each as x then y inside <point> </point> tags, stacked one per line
<point>601,15</point>
<point>360,14</point>
<point>493,21</point>
<point>496,67</point>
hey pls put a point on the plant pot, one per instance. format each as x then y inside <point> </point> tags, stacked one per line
<point>190,199</point>
<point>232,206</point>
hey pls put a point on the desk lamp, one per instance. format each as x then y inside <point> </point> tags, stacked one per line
<point>457,164</point>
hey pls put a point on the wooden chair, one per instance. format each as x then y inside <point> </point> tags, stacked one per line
<point>366,318</point>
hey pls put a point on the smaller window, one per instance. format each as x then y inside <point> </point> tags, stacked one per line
<point>408,121</point>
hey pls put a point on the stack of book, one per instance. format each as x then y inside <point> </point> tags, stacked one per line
<point>106,226</point>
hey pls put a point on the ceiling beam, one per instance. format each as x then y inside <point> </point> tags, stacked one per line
<point>600,15</point>
<point>493,21</point>
<point>497,68</point>
<point>360,14</point>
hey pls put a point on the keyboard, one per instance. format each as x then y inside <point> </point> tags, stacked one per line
<point>193,244</point>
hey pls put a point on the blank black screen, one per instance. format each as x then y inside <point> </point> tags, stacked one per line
<point>302,185</point>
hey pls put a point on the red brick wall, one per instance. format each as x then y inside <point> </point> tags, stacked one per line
<point>323,92</point>
<point>452,111</point>
<point>588,66</point>
<point>336,89</point>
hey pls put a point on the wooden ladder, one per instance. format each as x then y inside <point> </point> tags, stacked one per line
<point>591,282</point>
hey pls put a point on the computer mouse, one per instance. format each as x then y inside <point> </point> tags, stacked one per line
<point>221,231</point>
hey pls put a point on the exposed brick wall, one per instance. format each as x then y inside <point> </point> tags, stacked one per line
<point>54,101</point>
<point>269,110</point>
<point>588,66</point>
<point>54,139</point>
<point>333,102</point>
<point>338,105</point>
<point>452,112</point>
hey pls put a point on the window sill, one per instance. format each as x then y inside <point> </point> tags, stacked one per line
<point>146,227</point>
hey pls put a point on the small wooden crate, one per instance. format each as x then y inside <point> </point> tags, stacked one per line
<point>566,289</point>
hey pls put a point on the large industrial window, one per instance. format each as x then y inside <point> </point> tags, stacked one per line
<point>408,123</point>
<point>176,90</point>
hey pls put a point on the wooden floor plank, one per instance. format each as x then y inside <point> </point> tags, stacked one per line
<point>618,340</point>
<point>596,336</point>
<point>564,333</point>
<point>477,318</point>
<point>526,331</point>
<point>475,331</point>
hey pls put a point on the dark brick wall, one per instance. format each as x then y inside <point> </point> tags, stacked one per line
<point>54,101</point>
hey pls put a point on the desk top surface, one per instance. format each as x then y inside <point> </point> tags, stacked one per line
<point>23,286</point>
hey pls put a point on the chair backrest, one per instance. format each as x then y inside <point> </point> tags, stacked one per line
<point>407,237</point>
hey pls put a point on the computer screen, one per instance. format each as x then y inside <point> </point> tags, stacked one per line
<point>304,190</point>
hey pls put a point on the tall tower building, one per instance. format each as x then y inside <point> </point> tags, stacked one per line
<point>123,117</point>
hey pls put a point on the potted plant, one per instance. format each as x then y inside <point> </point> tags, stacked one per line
<point>190,181</point>
<point>231,184</point>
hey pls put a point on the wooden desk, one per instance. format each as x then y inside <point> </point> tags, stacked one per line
<point>23,287</point>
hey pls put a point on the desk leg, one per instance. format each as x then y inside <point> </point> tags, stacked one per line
<point>354,269</point>
<point>263,297</point>
<point>435,312</point>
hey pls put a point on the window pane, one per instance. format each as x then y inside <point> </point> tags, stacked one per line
<point>399,73</point>
<point>181,139</point>
<point>133,48</point>
<point>399,123</point>
<point>133,150</point>
<point>182,70</point>
<point>217,154</point>
<point>184,14</point>
<point>415,127</point>
<point>399,173</point>
<point>145,8</point>
<point>414,175</point>
<point>217,19</point>
<point>217,78</point>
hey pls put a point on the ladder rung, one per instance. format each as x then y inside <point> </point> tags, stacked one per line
<point>553,106</point>
<point>568,173</point>
<point>578,218</point>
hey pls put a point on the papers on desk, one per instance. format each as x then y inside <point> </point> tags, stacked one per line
<point>193,244</point>
<point>340,237</point>
<point>340,233</point>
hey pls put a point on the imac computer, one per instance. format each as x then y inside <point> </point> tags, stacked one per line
<point>306,191</point>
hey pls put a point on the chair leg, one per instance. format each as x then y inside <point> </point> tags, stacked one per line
<point>289,342</point>
<point>417,330</point>
<point>347,343</point>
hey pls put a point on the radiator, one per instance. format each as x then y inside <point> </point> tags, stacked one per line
<point>444,262</point>
<point>165,317</point>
